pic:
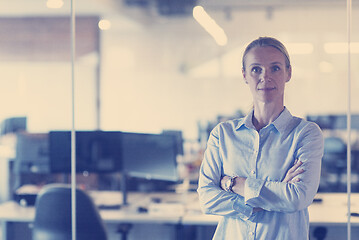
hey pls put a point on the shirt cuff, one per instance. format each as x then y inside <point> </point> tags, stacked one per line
<point>245,211</point>
<point>252,188</point>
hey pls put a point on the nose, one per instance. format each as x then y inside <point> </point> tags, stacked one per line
<point>266,75</point>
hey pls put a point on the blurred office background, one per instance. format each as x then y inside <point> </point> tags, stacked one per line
<point>149,66</point>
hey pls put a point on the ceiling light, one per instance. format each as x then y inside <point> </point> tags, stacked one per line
<point>104,24</point>
<point>54,3</point>
<point>210,25</point>
<point>341,47</point>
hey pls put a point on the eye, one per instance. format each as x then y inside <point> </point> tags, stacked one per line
<point>275,68</point>
<point>256,70</point>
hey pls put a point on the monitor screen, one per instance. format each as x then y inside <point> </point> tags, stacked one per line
<point>179,139</point>
<point>323,121</point>
<point>150,156</point>
<point>337,122</point>
<point>341,122</point>
<point>96,151</point>
<point>13,125</point>
<point>32,153</point>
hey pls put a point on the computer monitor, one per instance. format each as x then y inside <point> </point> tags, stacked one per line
<point>323,121</point>
<point>150,156</point>
<point>13,125</point>
<point>179,139</point>
<point>341,122</point>
<point>335,122</point>
<point>32,153</point>
<point>96,151</point>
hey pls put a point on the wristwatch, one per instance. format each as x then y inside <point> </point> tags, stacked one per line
<point>228,185</point>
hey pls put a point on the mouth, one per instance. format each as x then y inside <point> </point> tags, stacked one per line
<point>266,89</point>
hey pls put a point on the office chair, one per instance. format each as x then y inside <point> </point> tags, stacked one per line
<point>53,216</point>
<point>320,233</point>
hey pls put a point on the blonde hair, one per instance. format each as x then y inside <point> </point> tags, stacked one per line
<point>266,42</point>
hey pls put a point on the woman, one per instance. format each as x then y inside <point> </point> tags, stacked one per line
<point>261,172</point>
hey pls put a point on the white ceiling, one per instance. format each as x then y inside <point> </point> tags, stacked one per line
<point>313,21</point>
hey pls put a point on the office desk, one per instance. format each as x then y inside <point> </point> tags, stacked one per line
<point>333,209</point>
<point>331,212</point>
<point>11,212</point>
<point>130,213</point>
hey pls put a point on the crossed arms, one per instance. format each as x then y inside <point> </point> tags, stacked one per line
<point>295,192</point>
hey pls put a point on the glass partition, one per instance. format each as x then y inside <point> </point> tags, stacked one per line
<point>153,67</point>
<point>35,77</point>
<point>35,80</point>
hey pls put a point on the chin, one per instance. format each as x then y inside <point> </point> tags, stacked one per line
<point>269,99</point>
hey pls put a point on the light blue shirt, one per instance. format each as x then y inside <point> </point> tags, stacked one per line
<point>235,148</point>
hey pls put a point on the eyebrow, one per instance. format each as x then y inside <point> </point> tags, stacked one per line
<point>279,63</point>
<point>273,63</point>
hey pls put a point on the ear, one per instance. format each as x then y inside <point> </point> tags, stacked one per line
<point>244,76</point>
<point>289,73</point>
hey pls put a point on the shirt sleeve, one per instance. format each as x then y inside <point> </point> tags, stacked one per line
<point>213,199</point>
<point>291,197</point>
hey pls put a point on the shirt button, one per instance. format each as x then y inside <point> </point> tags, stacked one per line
<point>253,172</point>
<point>251,233</point>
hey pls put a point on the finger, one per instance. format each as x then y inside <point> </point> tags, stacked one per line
<point>295,180</point>
<point>293,172</point>
<point>296,166</point>
<point>296,172</point>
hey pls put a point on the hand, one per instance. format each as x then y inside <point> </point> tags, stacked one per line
<point>294,171</point>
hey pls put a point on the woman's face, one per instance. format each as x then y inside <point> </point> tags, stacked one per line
<point>266,74</point>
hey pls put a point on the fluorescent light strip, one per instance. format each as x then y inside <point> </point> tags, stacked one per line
<point>341,47</point>
<point>54,3</point>
<point>210,25</point>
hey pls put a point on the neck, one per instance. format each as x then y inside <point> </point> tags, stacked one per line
<point>265,113</point>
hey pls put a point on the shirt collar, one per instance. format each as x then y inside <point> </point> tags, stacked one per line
<point>246,121</point>
<point>280,123</point>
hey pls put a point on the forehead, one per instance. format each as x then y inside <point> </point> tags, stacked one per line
<point>264,55</point>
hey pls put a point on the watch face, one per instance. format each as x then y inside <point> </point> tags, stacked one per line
<point>228,183</point>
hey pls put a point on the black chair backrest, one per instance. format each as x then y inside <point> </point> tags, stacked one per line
<point>53,216</point>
